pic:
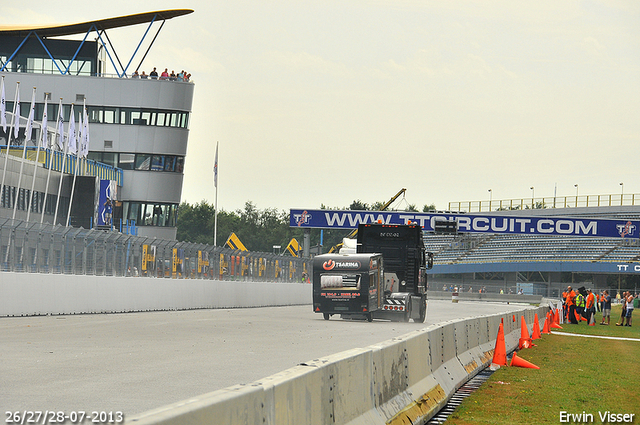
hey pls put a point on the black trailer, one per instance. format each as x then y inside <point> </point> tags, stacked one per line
<point>348,284</point>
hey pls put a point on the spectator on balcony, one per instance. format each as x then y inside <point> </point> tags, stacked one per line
<point>164,75</point>
<point>172,76</point>
<point>154,74</point>
<point>143,76</point>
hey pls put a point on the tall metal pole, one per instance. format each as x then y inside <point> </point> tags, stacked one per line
<point>75,169</point>
<point>43,135</point>
<point>16,115</point>
<point>58,133</point>
<point>64,161</point>
<point>27,135</point>
<point>215,212</point>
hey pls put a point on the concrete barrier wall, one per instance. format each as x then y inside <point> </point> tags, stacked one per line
<point>403,380</point>
<point>24,294</point>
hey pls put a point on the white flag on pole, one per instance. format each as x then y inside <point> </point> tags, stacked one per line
<point>215,169</point>
<point>60,127</point>
<point>3,107</point>
<point>27,132</point>
<point>45,134</point>
<point>16,113</point>
<point>85,135</point>
<point>72,145</point>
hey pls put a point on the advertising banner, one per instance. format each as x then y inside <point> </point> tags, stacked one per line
<point>106,201</point>
<point>470,223</point>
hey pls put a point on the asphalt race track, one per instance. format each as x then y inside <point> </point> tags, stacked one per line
<point>135,362</point>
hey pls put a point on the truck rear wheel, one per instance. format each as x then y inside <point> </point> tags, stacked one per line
<point>423,310</point>
<point>326,316</point>
<point>369,317</point>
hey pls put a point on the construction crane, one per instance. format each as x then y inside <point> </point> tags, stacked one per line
<point>354,232</point>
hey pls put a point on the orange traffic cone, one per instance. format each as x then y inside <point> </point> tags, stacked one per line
<point>525,339</point>
<point>536,328</point>
<point>520,362</point>
<point>545,327</point>
<point>555,323</point>
<point>500,352</point>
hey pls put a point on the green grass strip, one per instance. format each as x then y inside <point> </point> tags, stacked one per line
<point>579,376</point>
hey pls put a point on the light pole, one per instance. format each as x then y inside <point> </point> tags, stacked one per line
<point>490,198</point>
<point>576,186</point>
<point>621,193</point>
<point>533,197</point>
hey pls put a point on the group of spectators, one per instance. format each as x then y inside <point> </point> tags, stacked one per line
<point>452,288</point>
<point>582,304</point>
<point>181,76</point>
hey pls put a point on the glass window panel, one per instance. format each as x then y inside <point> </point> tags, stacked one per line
<point>96,156</point>
<point>136,118</point>
<point>169,163</point>
<point>180,164</point>
<point>96,114</point>
<point>125,116</point>
<point>157,163</point>
<point>145,118</point>
<point>172,215</point>
<point>134,211</point>
<point>174,119</point>
<point>161,119</point>
<point>143,162</point>
<point>147,210</point>
<point>110,158</point>
<point>185,121</point>
<point>126,161</point>
<point>111,115</point>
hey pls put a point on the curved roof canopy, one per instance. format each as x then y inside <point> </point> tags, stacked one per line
<point>101,24</point>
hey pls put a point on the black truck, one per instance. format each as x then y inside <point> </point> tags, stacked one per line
<point>389,271</point>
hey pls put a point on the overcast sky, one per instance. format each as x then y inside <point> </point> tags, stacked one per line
<point>326,102</point>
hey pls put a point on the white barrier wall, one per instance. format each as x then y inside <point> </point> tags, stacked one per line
<point>23,294</point>
<point>400,381</point>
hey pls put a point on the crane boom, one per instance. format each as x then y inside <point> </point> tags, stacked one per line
<point>354,232</point>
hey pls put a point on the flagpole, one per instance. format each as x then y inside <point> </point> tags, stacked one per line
<point>75,170</point>
<point>64,161</point>
<point>43,134</point>
<point>215,211</point>
<point>3,106</point>
<point>27,135</point>
<point>55,137</point>
<point>6,157</point>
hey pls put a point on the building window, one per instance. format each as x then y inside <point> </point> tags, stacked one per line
<point>143,162</point>
<point>126,161</point>
<point>150,214</point>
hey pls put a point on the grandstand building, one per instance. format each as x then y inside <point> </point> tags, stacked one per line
<point>538,264</point>
<point>138,128</point>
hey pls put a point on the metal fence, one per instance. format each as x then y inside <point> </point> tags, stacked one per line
<point>621,199</point>
<point>29,247</point>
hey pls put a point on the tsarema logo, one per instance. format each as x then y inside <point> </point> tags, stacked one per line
<point>341,265</point>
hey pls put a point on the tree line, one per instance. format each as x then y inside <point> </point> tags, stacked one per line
<point>259,230</point>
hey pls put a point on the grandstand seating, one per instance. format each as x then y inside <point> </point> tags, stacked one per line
<point>491,248</point>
